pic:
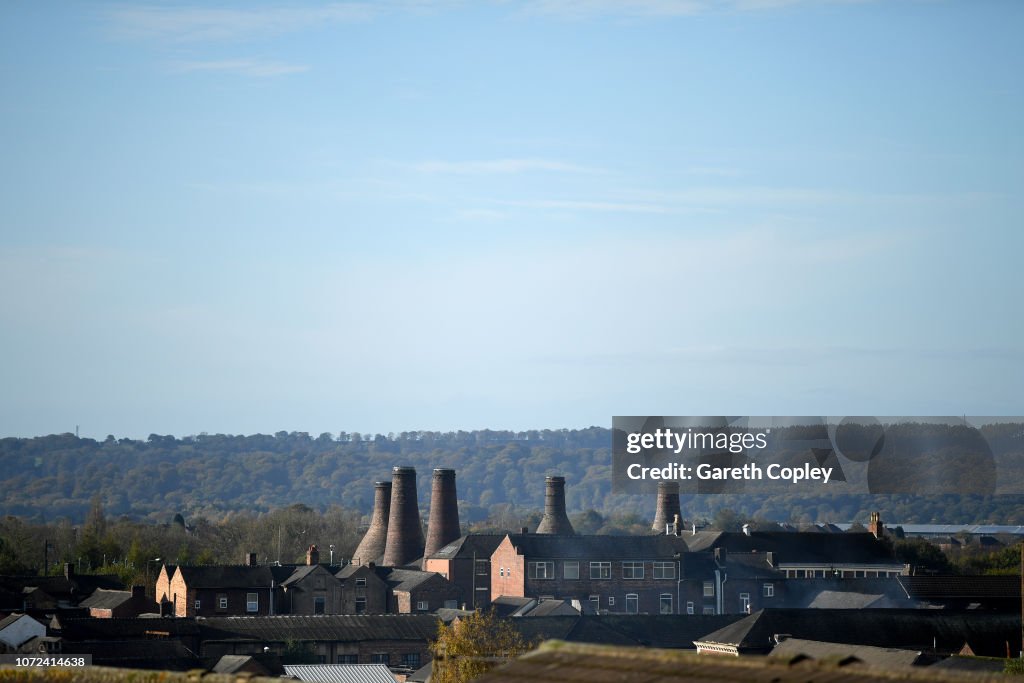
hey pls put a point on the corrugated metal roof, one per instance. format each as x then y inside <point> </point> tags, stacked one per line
<point>340,673</point>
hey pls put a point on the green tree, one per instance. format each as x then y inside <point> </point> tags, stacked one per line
<point>473,645</point>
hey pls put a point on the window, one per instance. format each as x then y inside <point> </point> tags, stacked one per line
<point>348,659</point>
<point>319,604</point>
<point>422,606</point>
<point>501,571</point>
<point>360,582</point>
<point>199,605</point>
<point>222,601</point>
<point>745,603</point>
<point>665,604</point>
<point>632,570</point>
<point>571,570</point>
<point>595,602</point>
<point>611,601</point>
<point>360,605</point>
<point>664,570</point>
<point>600,570</point>
<point>380,658</point>
<point>481,568</point>
<point>689,608</point>
<point>709,589</point>
<point>632,603</point>
<point>252,602</point>
<point>709,610</point>
<point>411,660</point>
<point>541,570</point>
<point>769,590</point>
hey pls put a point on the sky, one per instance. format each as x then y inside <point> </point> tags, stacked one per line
<point>428,214</point>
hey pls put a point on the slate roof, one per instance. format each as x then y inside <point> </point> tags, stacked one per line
<point>551,607</point>
<point>794,548</point>
<point>298,574</point>
<point>137,654</point>
<point>676,631</point>
<point>126,628</point>
<point>506,605</point>
<point>227,576</point>
<point>229,664</point>
<point>482,545</point>
<point>575,663</point>
<point>884,657</point>
<point>739,565</point>
<point>591,546</point>
<point>333,627</point>
<point>902,628</point>
<point>961,587</point>
<point>405,579</point>
<point>104,599</point>
<point>340,673</point>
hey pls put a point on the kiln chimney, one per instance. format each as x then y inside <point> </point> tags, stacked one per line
<point>555,520</point>
<point>443,524</point>
<point>405,535</point>
<point>667,511</point>
<point>372,546</point>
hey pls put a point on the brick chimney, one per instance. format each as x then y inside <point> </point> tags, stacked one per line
<point>405,534</point>
<point>667,511</point>
<point>443,524</point>
<point>312,556</point>
<point>555,521</point>
<point>875,525</point>
<point>250,559</point>
<point>372,546</point>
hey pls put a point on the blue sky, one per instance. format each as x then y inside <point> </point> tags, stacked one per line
<point>414,214</point>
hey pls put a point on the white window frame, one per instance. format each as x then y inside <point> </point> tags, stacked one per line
<point>252,602</point>
<point>422,606</point>
<point>689,608</point>
<point>600,571</point>
<point>664,570</point>
<point>575,564</point>
<point>222,602</point>
<point>663,600</point>
<point>632,601</point>
<point>709,589</point>
<point>769,590</point>
<point>744,602</point>
<point>543,570</point>
<point>199,604</point>
<point>632,571</point>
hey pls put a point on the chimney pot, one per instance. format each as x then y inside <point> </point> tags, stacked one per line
<point>376,537</point>
<point>555,521</point>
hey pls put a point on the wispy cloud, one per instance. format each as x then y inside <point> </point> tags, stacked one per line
<point>244,67</point>
<point>495,166</point>
<point>579,9</point>
<point>194,24</point>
